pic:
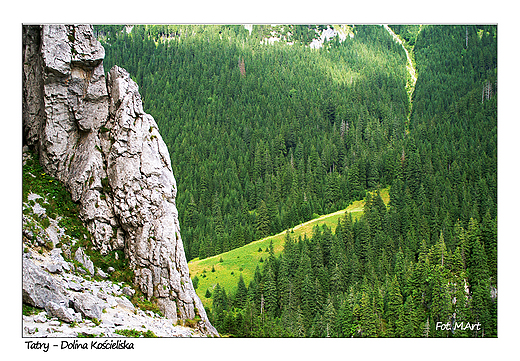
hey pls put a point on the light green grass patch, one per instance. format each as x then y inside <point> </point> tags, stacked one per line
<point>244,260</point>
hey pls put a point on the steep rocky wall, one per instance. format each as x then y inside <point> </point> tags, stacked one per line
<point>93,135</point>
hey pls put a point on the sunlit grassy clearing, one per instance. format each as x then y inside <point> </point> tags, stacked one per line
<point>229,265</point>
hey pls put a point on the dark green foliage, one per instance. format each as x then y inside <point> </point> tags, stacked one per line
<point>265,137</point>
<point>258,153</point>
<point>241,294</point>
<point>407,32</point>
<point>414,296</point>
<point>395,310</point>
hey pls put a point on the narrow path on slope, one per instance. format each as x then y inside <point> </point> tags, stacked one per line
<point>410,86</point>
<point>409,65</point>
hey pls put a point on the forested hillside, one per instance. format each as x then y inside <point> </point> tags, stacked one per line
<point>263,137</point>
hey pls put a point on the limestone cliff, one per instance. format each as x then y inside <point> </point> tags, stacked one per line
<point>91,133</point>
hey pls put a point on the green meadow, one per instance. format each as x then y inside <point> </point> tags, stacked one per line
<point>226,268</point>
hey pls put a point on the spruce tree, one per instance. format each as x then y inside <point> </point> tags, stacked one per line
<point>440,310</point>
<point>241,293</point>
<point>308,302</point>
<point>395,310</point>
<point>481,307</point>
<point>368,320</point>
<point>270,294</point>
<point>488,231</point>
<point>411,327</point>
<point>478,266</point>
<point>263,222</point>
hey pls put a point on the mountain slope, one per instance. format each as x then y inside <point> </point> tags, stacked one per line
<point>226,268</point>
<point>250,125</point>
<point>429,257</point>
<point>266,137</point>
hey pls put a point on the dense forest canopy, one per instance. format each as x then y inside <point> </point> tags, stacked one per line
<point>263,137</point>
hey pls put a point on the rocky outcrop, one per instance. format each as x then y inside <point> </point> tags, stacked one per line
<point>83,259</point>
<point>93,135</point>
<point>39,288</point>
<point>71,305</point>
<point>65,102</point>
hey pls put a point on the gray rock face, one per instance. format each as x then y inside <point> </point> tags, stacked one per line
<point>102,300</point>
<point>60,311</point>
<point>39,288</point>
<point>93,135</point>
<point>144,190</point>
<point>125,303</point>
<point>65,103</point>
<point>53,268</point>
<point>82,258</point>
<point>88,305</point>
<point>75,286</point>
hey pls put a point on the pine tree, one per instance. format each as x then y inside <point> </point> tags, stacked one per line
<point>308,302</point>
<point>440,300</point>
<point>478,265</point>
<point>290,305</point>
<point>330,319</point>
<point>220,305</point>
<point>301,330</point>
<point>410,320</point>
<point>354,182</point>
<point>345,317</point>
<point>481,309</point>
<point>418,279</point>
<point>336,280</point>
<point>489,242</point>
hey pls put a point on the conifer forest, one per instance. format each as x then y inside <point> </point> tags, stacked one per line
<point>267,134</point>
